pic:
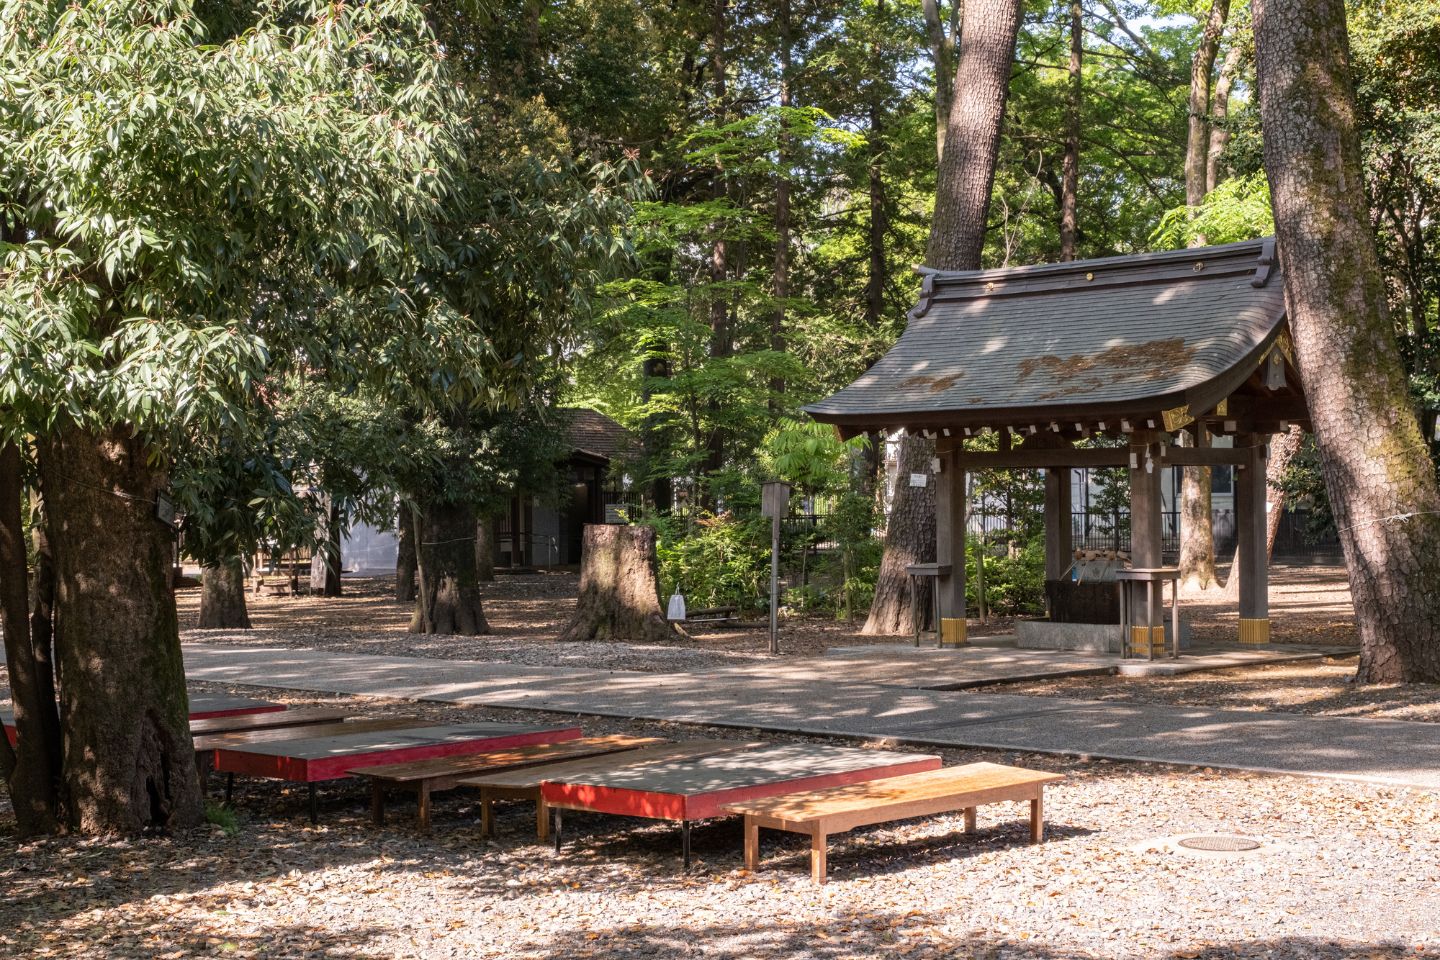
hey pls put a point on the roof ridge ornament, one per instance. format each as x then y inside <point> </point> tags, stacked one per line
<point>1265,263</point>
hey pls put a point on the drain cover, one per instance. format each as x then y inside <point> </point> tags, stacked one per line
<point>1220,844</point>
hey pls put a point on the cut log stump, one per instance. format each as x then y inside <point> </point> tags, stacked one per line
<point>620,589</point>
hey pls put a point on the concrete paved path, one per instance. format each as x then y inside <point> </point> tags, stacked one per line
<point>1381,751</point>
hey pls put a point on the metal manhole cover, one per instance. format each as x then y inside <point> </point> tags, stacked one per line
<point>1220,844</point>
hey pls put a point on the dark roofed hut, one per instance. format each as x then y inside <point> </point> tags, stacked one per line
<point>1136,347</point>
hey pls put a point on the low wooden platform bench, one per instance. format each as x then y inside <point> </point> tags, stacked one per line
<point>820,813</point>
<point>425,777</point>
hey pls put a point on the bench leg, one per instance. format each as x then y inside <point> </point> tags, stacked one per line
<point>542,818</point>
<point>685,844</point>
<point>1037,819</point>
<point>377,803</point>
<point>969,819</point>
<point>752,845</point>
<point>817,857</point>
<point>423,798</point>
<point>487,814</point>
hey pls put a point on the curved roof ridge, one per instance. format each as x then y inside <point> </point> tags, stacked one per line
<point>1238,248</point>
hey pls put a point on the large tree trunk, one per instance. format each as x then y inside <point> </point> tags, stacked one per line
<point>485,549</point>
<point>1070,167</point>
<point>222,597</point>
<point>405,561</point>
<point>1283,448</point>
<point>942,57</point>
<point>909,538</point>
<point>1377,468</point>
<point>32,767</point>
<point>957,235</point>
<point>619,598</point>
<point>878,275</point>
<point>972,136</point>
<point>326,562</point>
<point>448,594</point>
<point>129,762</point>
<point>1197,526</point>
<point>1197,534</point>
<point>782,204</point>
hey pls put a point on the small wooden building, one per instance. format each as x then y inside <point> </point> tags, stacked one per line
<point>1058,359</point>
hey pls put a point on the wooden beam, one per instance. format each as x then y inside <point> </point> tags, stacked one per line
<point>1058,539</point>
<point>1250,520</point>
<point>1037,459</point>
<point>950,547</point>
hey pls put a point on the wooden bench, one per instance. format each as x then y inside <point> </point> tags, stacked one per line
<point>525,784</point>
<point>300,717</point>
<point>820,813</point>
<point>713,615</point>
<point>429,776</point>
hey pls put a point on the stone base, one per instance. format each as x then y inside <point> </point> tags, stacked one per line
<point>1087,637</point>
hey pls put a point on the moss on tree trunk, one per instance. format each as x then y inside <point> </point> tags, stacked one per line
<point>1378,473</point>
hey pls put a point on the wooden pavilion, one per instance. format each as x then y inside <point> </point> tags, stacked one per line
<point>1055,359</point>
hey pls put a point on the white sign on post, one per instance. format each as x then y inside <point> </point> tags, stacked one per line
<point>918,479</point>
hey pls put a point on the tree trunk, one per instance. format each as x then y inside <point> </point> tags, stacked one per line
<point>1070,168</point>
<point>1376,464</point>
<point>222,597</point>
<point>619,598</point>
<point>720,334</point>
<point>878,275</point>
<point>1283,448</point>
<point>1197,144</point>
<point>909,538</point>
<point>1197,526</point>
<point>326,562</point>
<point>1219,111</point>
<point>972,136</point>
<point>782,204</point>
<point>448,591</point>
<point>942,58</point>
<point>485,549</point>
<point>957,235</point>
<point>129,762</point>
<point>32,767</point>
<point>405,561</point>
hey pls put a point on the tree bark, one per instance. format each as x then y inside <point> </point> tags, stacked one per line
<point>942,57</point>
<point>1283,448</point>
<point>1197,144</point>
<point>405,562</point>
<point>782,203</point>
<point>1197,525</point>
<point>1219,111</point>
<point>222,597</point>
<point>32,767</point>
<point>448,591</point>
<point>485,549</point>
<point>720,334</point>
<point>326,562</point>
<point>129,762</point>
<point>1376,464</point>
<point>957,236</point>
<point>909,538</point>
<point>878,276</point>
<point>972,136</point>
<point>1070,167</point>
<point>619,589</point>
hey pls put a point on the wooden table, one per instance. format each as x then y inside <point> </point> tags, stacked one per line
<point>820,813</point>
<point>301,717</point>
<point>203,706</point>
<point>526,783</point>
<point>311,760</point>
<point>696,789</point>
<point>431,776</point>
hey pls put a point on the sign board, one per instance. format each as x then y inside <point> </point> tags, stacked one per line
<point>918,479</point>
<point>774,499</point>
<point>614,513</point>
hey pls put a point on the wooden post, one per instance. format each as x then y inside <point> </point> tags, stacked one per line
<point>1147,605</point>
<point>1253,556</point>
<point>1058,537</point>
<point>950,546</point>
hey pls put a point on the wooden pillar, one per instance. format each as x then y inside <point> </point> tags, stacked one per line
<point>950,545</point>
<point>1252,552</point>
<point>1146,542</point>
<point>1058,539</point>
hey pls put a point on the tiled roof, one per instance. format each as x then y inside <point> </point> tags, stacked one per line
<point>593,433</point>
<point>1120,335</point>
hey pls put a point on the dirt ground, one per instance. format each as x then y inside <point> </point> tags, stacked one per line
<point>1345,872</point>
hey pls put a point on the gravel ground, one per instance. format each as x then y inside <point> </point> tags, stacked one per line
<point>1348,871</point>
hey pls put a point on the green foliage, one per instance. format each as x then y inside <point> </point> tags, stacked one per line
<point>1014,582</point>
<point>1237,209</point>
<point>222,817</point>
<point>719,561</point>
<point>809,456</point>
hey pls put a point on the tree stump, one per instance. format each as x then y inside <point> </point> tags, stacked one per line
<point>620,589</point>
